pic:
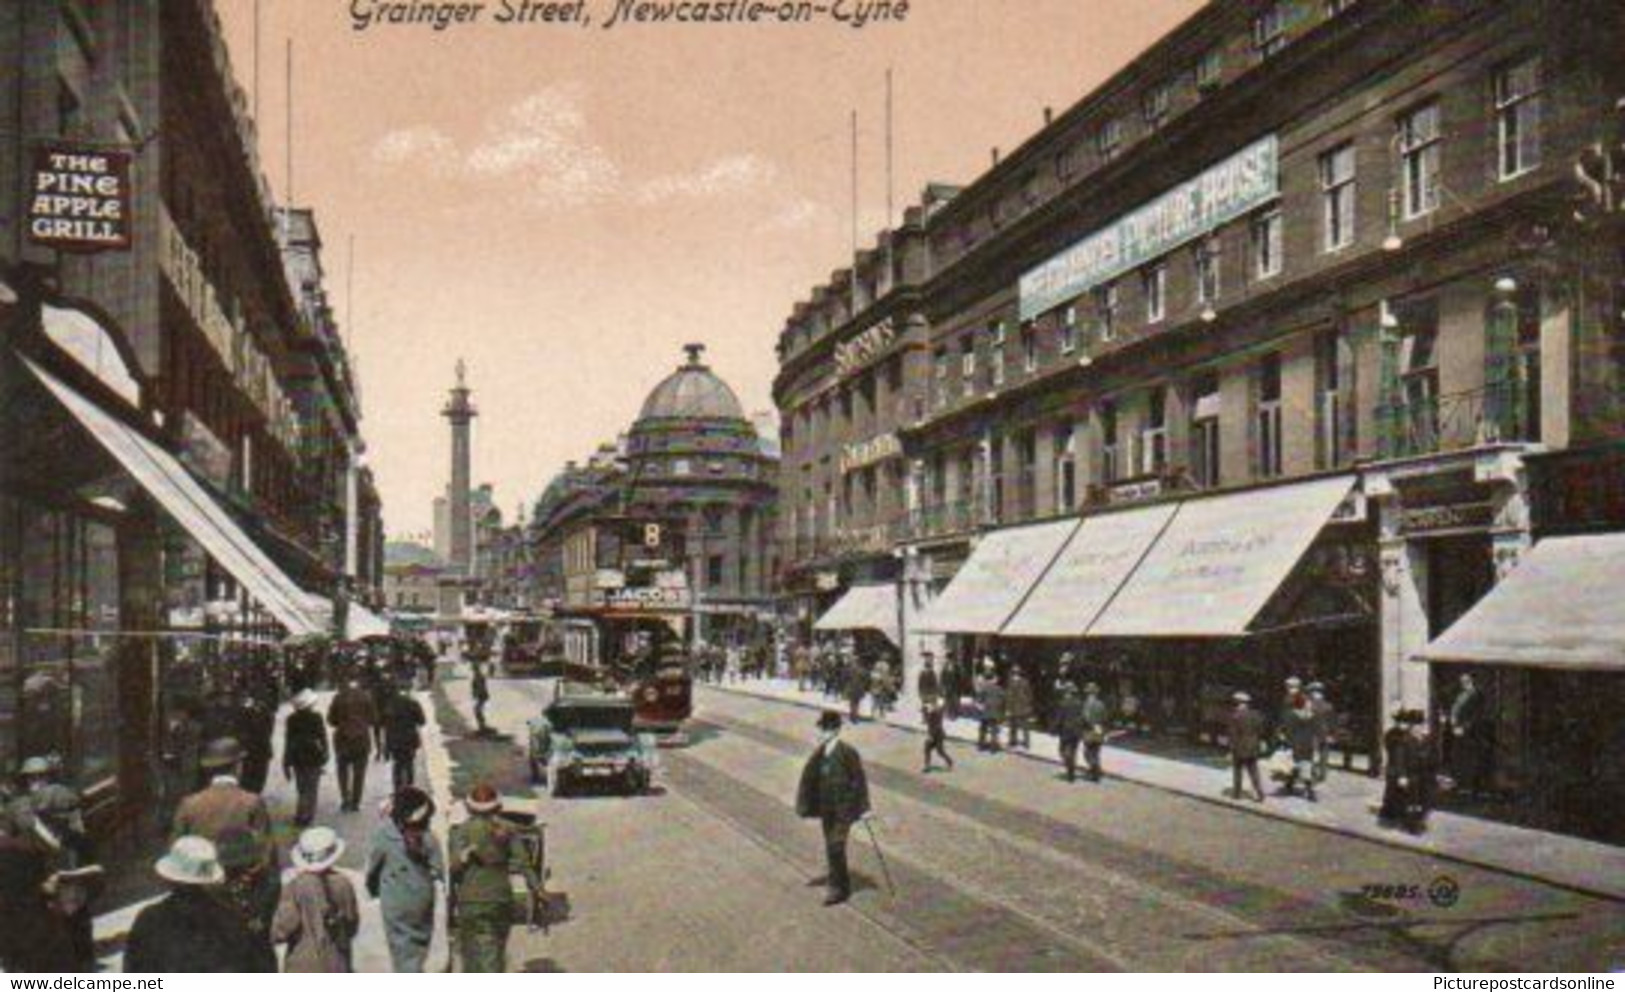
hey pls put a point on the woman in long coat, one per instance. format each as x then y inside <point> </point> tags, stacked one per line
<point>317,917</point>
<point>402,872</point>
<point>1407,795</point>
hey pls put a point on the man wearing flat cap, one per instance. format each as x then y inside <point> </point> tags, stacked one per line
<point>834,791</point>
<point>1246,733</point>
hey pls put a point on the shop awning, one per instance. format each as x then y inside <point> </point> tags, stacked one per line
<point>1088,573</point>
<point>872,607</point>
<point>992,583</point>
<point>1560,608</point>
<point>361,622</point>
<point>1220,560</point>
<point>168,482</point>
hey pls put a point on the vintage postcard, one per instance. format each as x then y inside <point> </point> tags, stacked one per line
<point>739,486</point>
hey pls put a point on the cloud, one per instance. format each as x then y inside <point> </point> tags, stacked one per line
<point>797,215</point>
<point>543,139</point>
<point>727,176</point>
<point>412,145</point>
<point>543,147</point>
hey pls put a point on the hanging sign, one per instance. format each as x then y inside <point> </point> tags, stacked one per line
<point>79,199</point>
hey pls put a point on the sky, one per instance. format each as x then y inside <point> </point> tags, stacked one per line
<point>563,207</point>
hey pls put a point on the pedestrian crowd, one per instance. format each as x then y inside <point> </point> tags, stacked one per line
<point>1290,745</point>
<point>233,898</point>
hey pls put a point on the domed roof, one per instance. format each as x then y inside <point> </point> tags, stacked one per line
<point>693,392</point>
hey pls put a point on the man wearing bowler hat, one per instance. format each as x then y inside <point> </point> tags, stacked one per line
<point>834,791</point>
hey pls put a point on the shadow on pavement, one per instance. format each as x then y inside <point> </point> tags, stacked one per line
<point>493,758</point>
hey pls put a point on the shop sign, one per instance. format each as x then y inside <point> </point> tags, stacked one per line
<point>1241,183</point>
<point>79,199</point>
<point>1134,492</point>
<point>645,598</point>
<point>854,355</point>
<point>225,330</point>
<point>609,578</point>
<point>1446,517</point>
<point>862,454</point>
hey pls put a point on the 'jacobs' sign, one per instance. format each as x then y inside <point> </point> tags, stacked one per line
<point>1242,182</point>
<point>79,200</point>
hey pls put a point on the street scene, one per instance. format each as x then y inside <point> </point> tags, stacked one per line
<point>1045,489</point>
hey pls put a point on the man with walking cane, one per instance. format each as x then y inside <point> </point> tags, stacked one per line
<point>834,791</point>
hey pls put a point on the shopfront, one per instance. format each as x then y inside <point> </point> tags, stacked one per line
<point>79,560</point>
<point>1172,606</point>
<point>1452,526</point>
<point>92,508</point>
<point>1552,630</point>
<point>1546,646</point>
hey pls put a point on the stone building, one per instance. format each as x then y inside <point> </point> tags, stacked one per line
<point>694,469</point>
<point>179,471</point>
<point>1238,368</point>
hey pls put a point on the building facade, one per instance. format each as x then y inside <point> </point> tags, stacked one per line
<point>1292,251</point>
<point>675,524</point>
<point>182,437</point>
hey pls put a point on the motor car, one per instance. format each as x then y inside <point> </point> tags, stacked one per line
<point>585,736</point>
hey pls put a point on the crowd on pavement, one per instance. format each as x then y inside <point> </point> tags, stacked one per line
<point>234,899</point>
<point>1290,743</point>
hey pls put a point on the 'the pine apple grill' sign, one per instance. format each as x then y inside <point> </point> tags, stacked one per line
<point>80,200</point>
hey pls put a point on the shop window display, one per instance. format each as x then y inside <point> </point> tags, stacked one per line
<point>66,692</point>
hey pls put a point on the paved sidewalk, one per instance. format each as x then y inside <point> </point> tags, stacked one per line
<point>1348,804</point>
<point>371,951</point>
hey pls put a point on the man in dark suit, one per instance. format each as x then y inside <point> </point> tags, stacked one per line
<point>834,791</point>
<point>304,754</point>
<point>1469,743</point>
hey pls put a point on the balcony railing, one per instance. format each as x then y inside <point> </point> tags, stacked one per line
<point>942,519</point>
<point>1498,412</point>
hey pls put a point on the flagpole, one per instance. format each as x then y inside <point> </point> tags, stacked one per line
<point>854,267</point>
<point>256,64</point>
<point>287,208</point>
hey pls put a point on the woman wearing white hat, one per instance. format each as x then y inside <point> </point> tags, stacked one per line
<point>317,917</point>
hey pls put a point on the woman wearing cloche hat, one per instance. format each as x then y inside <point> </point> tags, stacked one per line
<point>403,871</point>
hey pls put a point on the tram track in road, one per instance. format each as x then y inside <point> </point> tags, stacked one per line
<point>1316,928</point>
<point>957,929</point>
